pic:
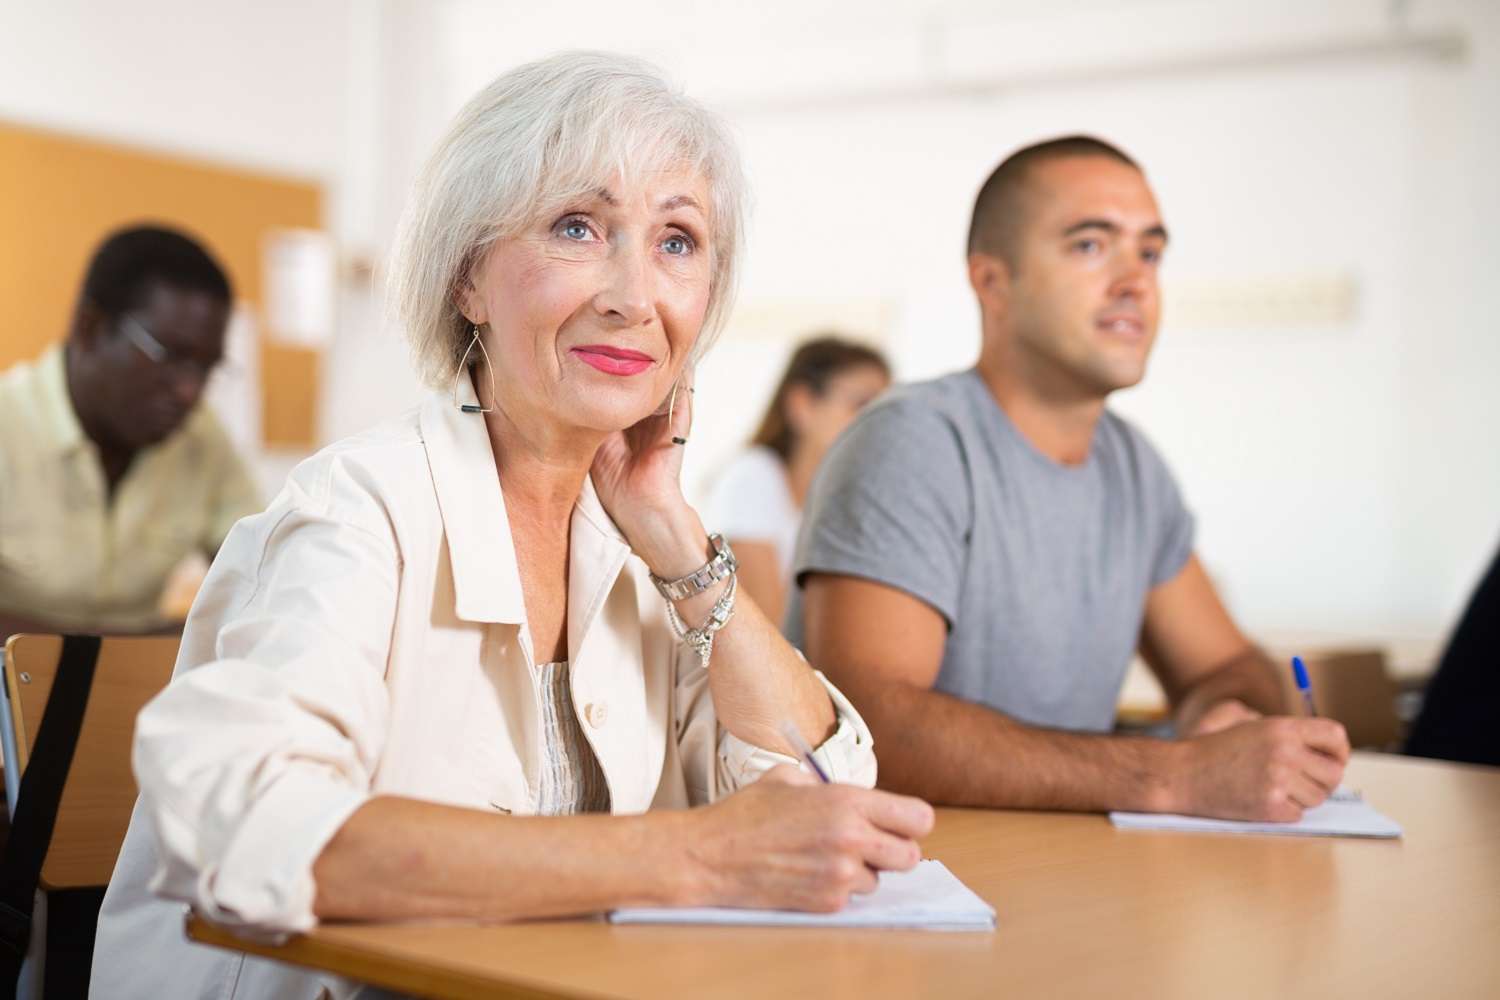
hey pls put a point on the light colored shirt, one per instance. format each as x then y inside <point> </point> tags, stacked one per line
<point>752,501</point>
<point>71,554</point>
<point>366,635</point>
<point>1041,570</point>
<point>570,777</point>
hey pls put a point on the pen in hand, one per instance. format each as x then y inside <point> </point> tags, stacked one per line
<point>804,751</point>
<point>1299,671</point>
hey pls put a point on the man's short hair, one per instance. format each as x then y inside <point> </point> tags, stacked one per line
<point>130,260</point>
<point>1000,208</point>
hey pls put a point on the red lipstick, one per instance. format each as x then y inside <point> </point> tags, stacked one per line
<point>614,360</point>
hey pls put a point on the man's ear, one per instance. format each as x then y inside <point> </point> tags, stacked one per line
<point>89,325</point>
<point>990,276</point>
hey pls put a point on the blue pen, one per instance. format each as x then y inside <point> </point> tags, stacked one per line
<point>795,739</point>
<point>1299,671</point>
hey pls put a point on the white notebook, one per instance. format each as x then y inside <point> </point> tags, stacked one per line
<point>928,897</point>
<point>1344,814</point>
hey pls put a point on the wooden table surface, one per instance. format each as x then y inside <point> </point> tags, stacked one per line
<point>1084,910</point>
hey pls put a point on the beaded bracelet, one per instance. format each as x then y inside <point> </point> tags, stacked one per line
<point>702,639</point>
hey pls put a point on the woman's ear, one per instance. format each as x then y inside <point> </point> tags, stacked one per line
<point>797,406</point>
<point>469,302</point>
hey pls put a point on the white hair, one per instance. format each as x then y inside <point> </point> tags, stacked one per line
<point>537,137</point>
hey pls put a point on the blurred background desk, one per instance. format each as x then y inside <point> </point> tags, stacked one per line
<point>1084,910</point>
<point>1372,684</point>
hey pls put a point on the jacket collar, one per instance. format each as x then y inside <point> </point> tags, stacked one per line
<point>486,586</point>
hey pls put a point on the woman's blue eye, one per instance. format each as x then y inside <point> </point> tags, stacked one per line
<point>576,231</point>
<point>676,245</point>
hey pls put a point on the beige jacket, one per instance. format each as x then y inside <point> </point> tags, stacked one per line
<point>366,635</point>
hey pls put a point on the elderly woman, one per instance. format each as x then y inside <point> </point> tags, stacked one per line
<point>449,638</point>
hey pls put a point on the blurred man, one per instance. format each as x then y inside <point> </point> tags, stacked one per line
<point>983,553</point>
<point>111,470</point>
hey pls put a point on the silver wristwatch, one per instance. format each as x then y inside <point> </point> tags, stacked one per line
<point>717,568</point>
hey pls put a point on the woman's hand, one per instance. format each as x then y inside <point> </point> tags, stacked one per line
<point>790,842</point>
<point>637,473</point>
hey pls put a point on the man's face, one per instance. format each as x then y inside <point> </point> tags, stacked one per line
<point>154,362</point>
<point>1083,297</point>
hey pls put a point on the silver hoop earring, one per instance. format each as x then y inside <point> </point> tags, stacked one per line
<point>672,409</point>
<point>463,369</point>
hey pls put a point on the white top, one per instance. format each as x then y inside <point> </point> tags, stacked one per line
<point>571,780</point>
<point>752,501</point>
<point>366,635</point>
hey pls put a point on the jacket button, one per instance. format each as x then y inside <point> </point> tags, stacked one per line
<point>597,714</point>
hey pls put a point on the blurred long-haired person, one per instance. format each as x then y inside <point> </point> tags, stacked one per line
<point>758,497</point>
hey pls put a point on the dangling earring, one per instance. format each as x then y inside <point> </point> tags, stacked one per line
<point>463,369</point>
<point>672,408</point>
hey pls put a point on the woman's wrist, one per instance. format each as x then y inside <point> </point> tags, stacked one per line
<point>673,544</point>
<point>683,879</point>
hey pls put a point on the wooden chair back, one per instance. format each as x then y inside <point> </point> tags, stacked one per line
<point>100,792</point>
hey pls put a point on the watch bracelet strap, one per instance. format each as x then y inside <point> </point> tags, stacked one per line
<point>721,564</point>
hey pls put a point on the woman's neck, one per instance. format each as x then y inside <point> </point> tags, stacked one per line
<point>801,466</point>
<point>541,469</point>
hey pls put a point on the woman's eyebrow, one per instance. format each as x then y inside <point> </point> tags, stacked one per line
<point>681,201</point>
<point>667,204</point>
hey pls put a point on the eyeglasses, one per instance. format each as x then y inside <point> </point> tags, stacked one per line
<point>159,354</point>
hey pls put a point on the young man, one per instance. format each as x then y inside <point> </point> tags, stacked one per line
<point>110,469</point>
<point>983,553</point>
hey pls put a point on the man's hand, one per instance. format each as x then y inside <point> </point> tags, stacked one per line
<point>1220,716</point>
<point>1265,769</point>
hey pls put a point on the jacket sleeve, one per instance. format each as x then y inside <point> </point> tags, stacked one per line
<point>267,738</point>
<point>716,762</point>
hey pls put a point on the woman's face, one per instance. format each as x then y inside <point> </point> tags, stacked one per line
<point>820,417</point>
<point>591,312</point>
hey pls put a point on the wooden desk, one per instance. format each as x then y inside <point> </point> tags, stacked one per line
<point>1084,911</point>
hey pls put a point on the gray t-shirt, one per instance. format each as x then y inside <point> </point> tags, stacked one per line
<point>1040,569</point>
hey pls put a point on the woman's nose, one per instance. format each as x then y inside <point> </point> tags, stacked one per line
<point>626,296</point>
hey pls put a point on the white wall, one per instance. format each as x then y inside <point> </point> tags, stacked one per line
<point>258,84</point>
<point>1343,473</point>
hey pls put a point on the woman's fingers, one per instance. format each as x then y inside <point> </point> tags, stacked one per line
<point>902,815</point>
<point>680,413</point>
<point>886,853</point>
<point>792,841</point>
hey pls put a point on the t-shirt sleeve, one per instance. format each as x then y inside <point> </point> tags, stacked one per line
<point>747,502</point>
<point>892,503</point>
<point>1175,523</point>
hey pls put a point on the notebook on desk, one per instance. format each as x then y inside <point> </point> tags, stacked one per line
<point>929,897</point>
<point>1344,814</point>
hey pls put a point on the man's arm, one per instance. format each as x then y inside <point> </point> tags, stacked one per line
<point>883,648</point>
<point>1213,676</point>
